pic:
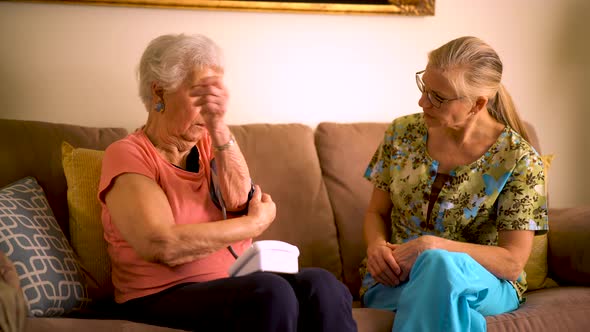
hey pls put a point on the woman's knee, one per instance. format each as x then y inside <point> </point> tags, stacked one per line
<point>270,290</point>
<point>434,254</point>
<point>318,278</point>
<point>441,258</point>
<point>267,302</point>
<point>438,262</point>
<point>316,275</point>
<point>451,268</point>
<point>321,283</point>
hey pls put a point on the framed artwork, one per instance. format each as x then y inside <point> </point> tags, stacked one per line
<point>383,7</point>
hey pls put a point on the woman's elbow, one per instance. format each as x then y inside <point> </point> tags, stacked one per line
<point>160,249</point>
<point>514,270</point>
<point>171,250</point>
<point>513,276</point>
<point>236,202</point>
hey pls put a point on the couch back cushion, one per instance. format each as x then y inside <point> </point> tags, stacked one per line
<point>345,151</point>
<point>32,148</point>
<point>569,252</point>
<point>282,159</point>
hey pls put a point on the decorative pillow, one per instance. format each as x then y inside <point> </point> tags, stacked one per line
<point>536,267</point>
<point>50,276</point>
<point>82,169</point>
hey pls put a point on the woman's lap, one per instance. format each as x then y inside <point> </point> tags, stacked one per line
<point>450,285</point>
<point>259,301</point>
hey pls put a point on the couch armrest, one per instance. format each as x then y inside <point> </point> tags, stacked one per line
<point>569,245</point>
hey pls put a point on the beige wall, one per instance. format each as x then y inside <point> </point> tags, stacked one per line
<point>75,64</point>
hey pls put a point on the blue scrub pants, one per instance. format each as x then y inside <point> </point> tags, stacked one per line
<point>446,291</point>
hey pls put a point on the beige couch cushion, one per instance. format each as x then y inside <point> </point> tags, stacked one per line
<point>569,251</point>
<point>551,309</point>
<point>34,149</point>
<point>345,151</point>
<point>373,320</point>
<point>90,325</point>
<point>282,159</point>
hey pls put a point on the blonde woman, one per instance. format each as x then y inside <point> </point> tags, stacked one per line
<point>458,195</point>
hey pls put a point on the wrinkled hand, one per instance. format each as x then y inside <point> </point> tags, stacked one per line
<point>212,97</point>
<point>382,264</point>
<point>262,209</point>
<point>406,254</point>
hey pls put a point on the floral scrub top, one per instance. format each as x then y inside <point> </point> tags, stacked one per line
<point>503,190</point>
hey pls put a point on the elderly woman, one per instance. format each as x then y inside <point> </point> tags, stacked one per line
<point>167,236</point>
<point>458,195</point>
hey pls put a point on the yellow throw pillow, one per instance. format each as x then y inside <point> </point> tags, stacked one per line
<point>547,160</point>
<point>82,169</point>
<point>536,267</point>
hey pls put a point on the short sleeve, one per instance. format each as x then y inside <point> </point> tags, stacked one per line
<point>121,157</point>
<point>522,204</point>
<point>378,169</point>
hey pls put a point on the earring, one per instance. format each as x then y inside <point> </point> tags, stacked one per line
<point>159,107</point>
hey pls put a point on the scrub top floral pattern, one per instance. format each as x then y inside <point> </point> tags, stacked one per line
<point>503,190</point>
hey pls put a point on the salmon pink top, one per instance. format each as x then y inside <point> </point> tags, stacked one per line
<point>190,201</point>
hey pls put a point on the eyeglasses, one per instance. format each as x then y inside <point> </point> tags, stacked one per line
<point>434,99</point>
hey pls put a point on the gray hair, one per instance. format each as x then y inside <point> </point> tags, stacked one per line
<point>169,60</point>
<point>475,69</point>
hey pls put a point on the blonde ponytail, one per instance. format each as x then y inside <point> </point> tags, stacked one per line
<point>503,110</point>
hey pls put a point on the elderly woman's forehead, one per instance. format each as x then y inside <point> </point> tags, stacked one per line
<point>207,70</point>
<point>198,73</point>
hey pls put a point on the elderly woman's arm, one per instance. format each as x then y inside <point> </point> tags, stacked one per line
<point>140,211</point>
<point>232,170</point>
<point>234,177</point>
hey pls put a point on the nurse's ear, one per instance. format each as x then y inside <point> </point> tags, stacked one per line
<point>480,104</point>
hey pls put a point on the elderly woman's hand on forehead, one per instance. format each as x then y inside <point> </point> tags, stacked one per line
<point>212,98</point>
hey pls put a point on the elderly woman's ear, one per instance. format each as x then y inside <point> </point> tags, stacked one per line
<point>158,97</point>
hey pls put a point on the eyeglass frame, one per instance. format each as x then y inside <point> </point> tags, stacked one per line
<point>422,87</point>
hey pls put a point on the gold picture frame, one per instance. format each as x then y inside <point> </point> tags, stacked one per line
<point>384,7</point>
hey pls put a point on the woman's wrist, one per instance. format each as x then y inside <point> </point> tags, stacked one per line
<point>221,137</point>
<point>430,242</point>
<point>375,244</point>
<point>231,142</point>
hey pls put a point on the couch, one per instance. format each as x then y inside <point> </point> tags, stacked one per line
<point>315,177</point>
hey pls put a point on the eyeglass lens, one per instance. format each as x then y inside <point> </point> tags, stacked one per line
<point>422,87</point>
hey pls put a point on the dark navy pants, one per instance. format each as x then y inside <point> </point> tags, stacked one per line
<point>311,300</point>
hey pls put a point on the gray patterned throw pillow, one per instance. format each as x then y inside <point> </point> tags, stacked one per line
<point>49,273</point>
